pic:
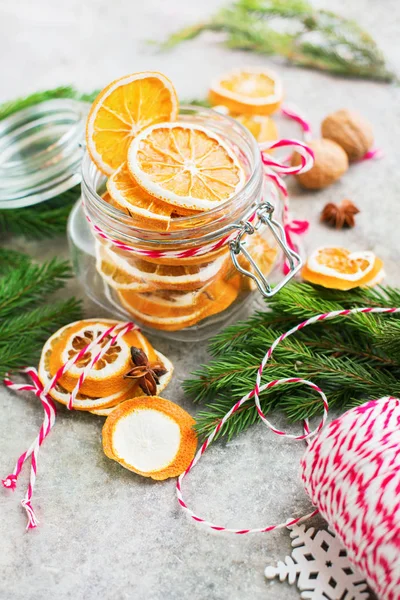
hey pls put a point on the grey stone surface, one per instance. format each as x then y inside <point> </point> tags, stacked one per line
<point>104,532</point>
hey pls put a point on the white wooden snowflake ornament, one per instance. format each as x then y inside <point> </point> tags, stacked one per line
<point>320,566</point>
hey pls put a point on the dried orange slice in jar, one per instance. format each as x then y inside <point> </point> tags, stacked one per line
<point>96,401</point>
<point>340,269</point>
<point>122,110</point>
<point>150,436</point>
<point>185,165</point>
<point>139,275</point>
<point>249,91</point>
<point>262,127</point>
<point>134,200</point>
<point>263,255</point>
<point>214,299</point>
<point>107,376</point>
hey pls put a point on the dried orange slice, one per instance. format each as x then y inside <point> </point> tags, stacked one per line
<point>262,127</point>
<point>250,91</point>
<point>185,165</point>
<point>106,378</point>
<point>140,275</point>
<point>122,110</point>
<point>134,200</point>
<point>340,269</point>
<point>137,391</point>
<point>150,436</point>
<point>217,298</point>
<point>263,255</point>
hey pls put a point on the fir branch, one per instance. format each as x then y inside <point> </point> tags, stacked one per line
<point>312,38</point>
<point>10,259</point>
<point>40,221</point>
<point>12,106</point>
<point>25,286</point>
<point>353,361</point>
<point>24,337</point>
<point>26,320</point>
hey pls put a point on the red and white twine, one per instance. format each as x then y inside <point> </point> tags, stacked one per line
<point>255,394</point>
<point>43,393</point>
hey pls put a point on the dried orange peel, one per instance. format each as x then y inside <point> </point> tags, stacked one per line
<point>338,268</point>
<point>250,91</point>
<point>122,110</point>
<point>150,436</point>
<point>185,165</point>
<point>105,385</point>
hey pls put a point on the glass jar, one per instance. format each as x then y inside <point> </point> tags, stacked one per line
<point>197,276</point>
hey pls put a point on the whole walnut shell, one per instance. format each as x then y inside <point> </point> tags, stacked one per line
<point>350,130</point>
<point>330,163</point>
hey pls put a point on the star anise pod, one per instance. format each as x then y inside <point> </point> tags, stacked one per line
<point>340,215</point>
<point>146,373</point>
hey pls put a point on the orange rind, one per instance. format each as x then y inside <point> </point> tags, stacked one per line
<point>150,436</point>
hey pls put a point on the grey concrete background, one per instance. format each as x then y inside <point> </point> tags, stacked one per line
<point>104,532</point>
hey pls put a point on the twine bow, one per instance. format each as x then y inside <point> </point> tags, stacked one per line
<point>43,393</point>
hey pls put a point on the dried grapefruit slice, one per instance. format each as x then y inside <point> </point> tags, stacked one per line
<point>106,378</point>
<point>134,200</point>
<point>122,110</point>
<point>251,90</point>
<point>338,268</point>
<point>141,275</point>
<point>185,165</point>
<point>150,436</point>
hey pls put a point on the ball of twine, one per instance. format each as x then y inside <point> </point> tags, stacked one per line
<point>351,472</point>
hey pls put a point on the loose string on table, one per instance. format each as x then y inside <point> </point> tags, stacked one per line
<point>43,393</point>
<point>254,395</point>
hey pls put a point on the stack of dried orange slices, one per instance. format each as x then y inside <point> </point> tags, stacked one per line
<point>108,383</point>
<point>340,269</point>
<point>160,169</point>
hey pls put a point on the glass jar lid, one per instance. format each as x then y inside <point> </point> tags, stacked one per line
<point>41,149</point>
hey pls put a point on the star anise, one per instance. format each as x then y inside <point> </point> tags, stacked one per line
<point>146,373</point>
<point>340,215</point>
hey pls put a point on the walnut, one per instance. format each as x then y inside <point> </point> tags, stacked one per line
<point>330,163</point>
<point>351,131</point>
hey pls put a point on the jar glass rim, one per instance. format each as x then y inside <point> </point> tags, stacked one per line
<point>219,219</point>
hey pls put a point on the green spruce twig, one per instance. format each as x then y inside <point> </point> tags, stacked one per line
<point>352,360</point>
<point>28,312</point>
<point>309,37</point>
